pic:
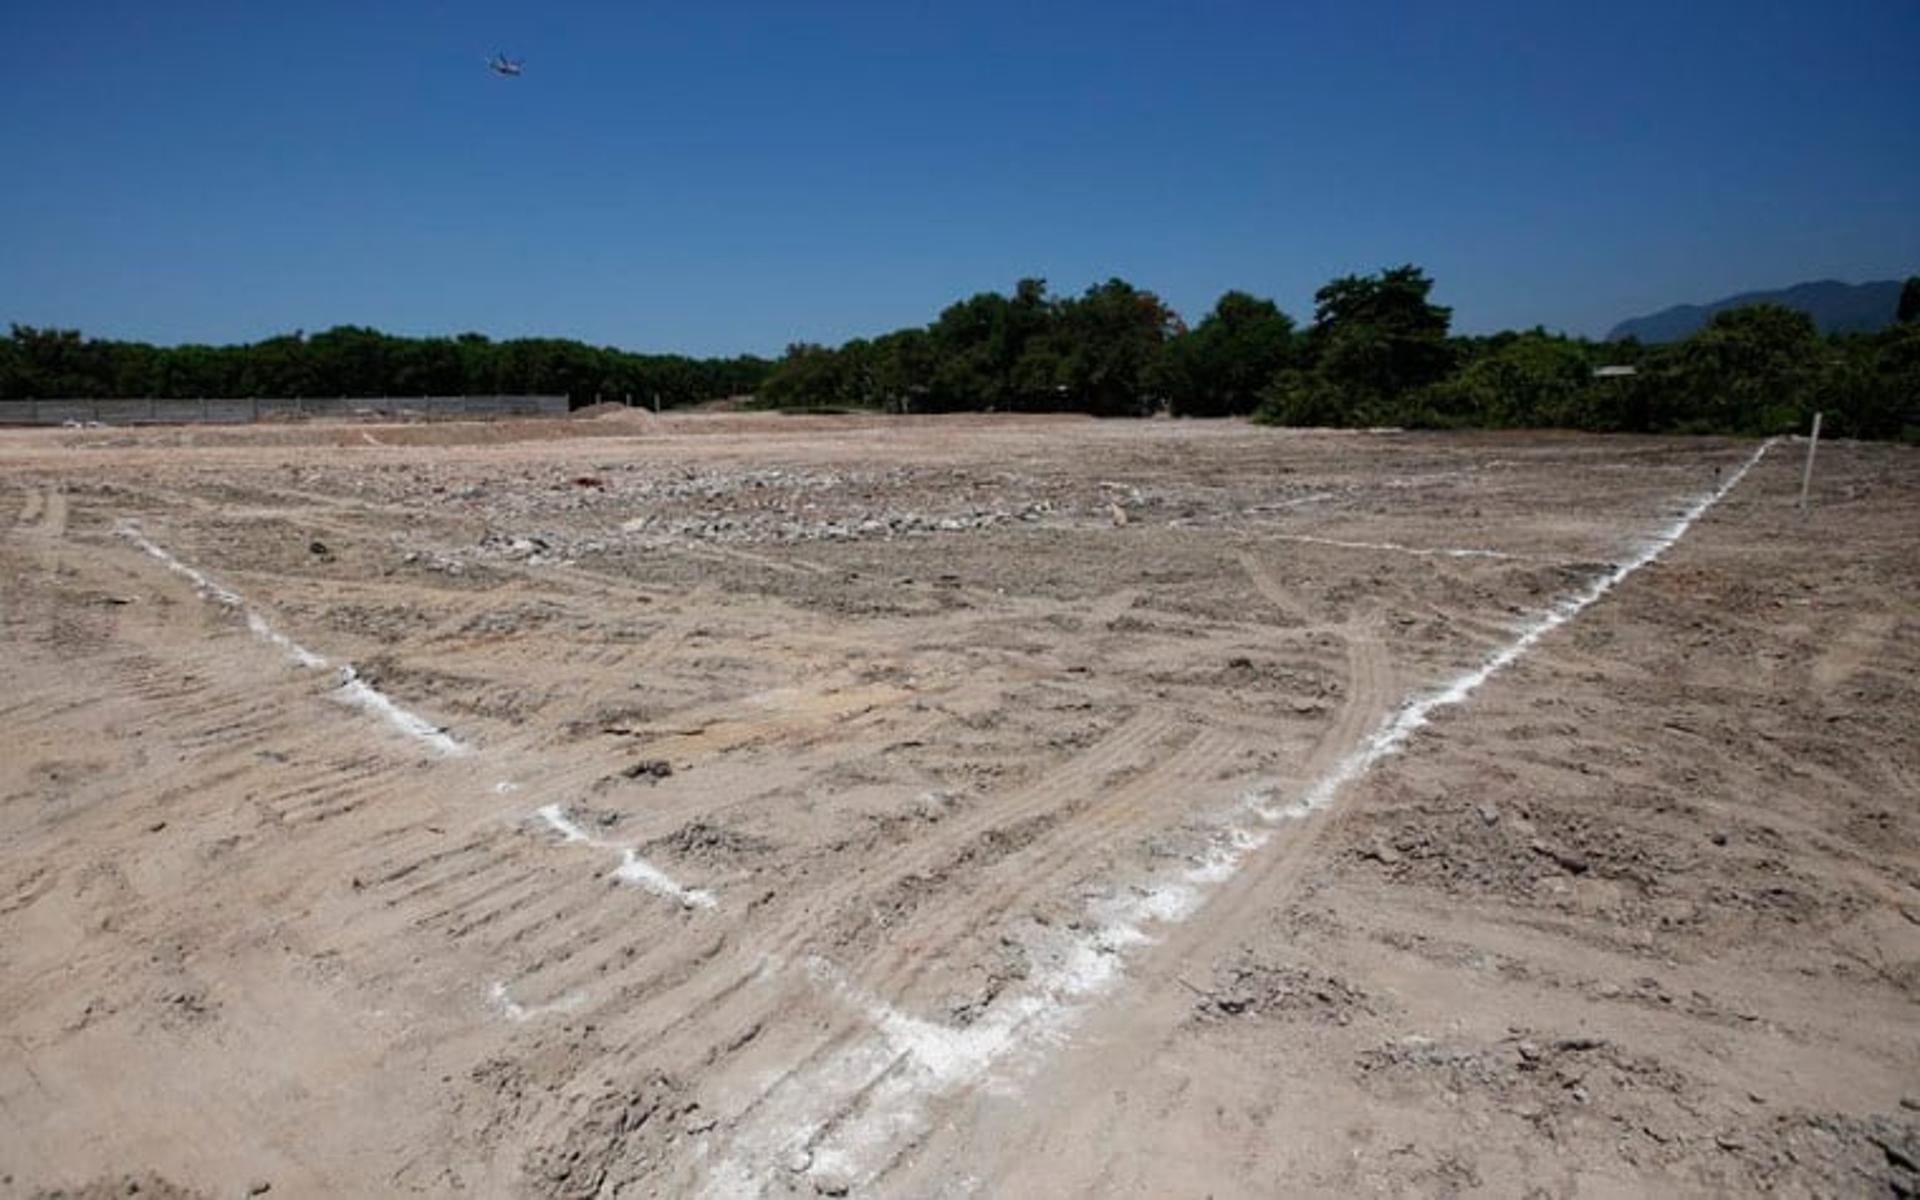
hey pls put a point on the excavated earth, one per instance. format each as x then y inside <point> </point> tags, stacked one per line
<point>754,805</point>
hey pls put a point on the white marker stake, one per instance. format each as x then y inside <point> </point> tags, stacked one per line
<point>1806,478</point>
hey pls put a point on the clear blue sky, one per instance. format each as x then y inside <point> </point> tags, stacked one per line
<point>720,177</point>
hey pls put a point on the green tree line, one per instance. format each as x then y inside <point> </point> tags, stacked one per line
<point>353,361</point>
<point>1377,352</point>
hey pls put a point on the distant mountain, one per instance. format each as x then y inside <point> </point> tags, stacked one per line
<point>1834,306</point>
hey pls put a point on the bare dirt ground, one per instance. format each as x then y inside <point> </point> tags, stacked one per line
<point>739,805</point>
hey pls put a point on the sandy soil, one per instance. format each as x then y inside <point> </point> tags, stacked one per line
<point>737,805</point>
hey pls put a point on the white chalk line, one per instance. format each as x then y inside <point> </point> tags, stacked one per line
<point>205,586</point>
<point>632,868</point>
<point>352,689</point>
<point>1283,505</point>
<point>358,692</point>
<point>298,653</point>
<point>1396,548</point>
<point>848,1117</point>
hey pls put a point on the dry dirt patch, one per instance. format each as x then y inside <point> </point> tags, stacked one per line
<point>959,758</point>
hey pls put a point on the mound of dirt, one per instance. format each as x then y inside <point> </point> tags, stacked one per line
<point>613,413</point>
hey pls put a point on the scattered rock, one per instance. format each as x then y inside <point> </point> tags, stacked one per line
<point>1571,863</point>
<point>1381,853</point>
<point>1250,988</point>
<point>701,841</point>
<point>650,769</point>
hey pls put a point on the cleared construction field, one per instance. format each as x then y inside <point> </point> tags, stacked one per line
<point>739,805</point>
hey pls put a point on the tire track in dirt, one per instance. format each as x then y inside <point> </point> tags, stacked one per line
<point>995,890</point>
<point>1369,696</point>
<point>1133,1034</point>
<point>725,1005</point>
<point>988,903</point>
<point>804,924</point>
<point>864,1146</point>
<point>1858,645</point>
<point>53,517</point>
<point>1082,779</point>
<point>178,686</point>
<point>615,959</point>
<point>1032,870</point>
<point>977,887</point>
<point>30,505</point>
<point>1281,598</point>
<point>43,512</point>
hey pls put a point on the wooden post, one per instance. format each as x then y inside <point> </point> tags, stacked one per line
<point>1806,478</point>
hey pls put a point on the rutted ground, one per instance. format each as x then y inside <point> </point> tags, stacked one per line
<point>849,805</point>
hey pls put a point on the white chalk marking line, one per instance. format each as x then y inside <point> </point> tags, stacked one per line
<point>358,692</point>
<point>1283,505</point>
<point>298,653</point>
<point>848,1116</point>
<point>632,868</point>
<point>205,586</point>
<point>1396,548</point>
<point>361,694</point>
<point>352,690</point>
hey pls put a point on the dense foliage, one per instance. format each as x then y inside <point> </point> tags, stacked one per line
<point>1028,352</point>
<point>1379,352</point>
<point>1758,370</point>
<point>351,361</point>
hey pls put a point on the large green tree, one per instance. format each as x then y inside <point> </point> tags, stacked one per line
<point>1102,348</point>
<point>1220,366</point>
<point>1376,340</point>
<point>1751,370</point>
<point>354,361</point>
<point>977,345</point>
<point>1516,379</point>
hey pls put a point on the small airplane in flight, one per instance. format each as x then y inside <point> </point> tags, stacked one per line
<point>502,65</point>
